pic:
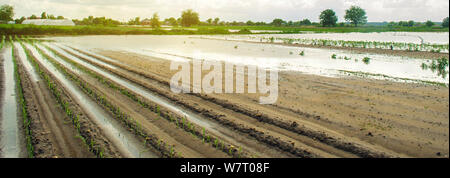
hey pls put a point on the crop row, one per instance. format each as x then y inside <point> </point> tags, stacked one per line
<point>152,140</point>
<point>180,121</point>
<point>23,106</point>
<point>66,105</point>
<point>437,48</point>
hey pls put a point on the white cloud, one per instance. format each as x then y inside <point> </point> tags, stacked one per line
<point>239,10</point>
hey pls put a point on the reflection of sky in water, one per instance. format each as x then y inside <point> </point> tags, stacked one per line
<point>315,61</point>
<point>399,37</point>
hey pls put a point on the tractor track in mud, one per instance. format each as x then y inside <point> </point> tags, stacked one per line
<point>334,144</point>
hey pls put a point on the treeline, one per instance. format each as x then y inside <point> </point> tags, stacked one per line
<point>91,20</point>
<point>354,16</point>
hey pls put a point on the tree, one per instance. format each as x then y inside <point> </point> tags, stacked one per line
<point>44,15</point>
<point>171,21</point>
<point>189,18</point>
<point>155,21</point>
<point>60,17</point>
<point>216,21</point>
<point>250,23</point>
<point>209,21</point>
<point>445,23</point>
<point>411,23</point>
<point>356,15</point>
<point>328,18</point>
<point>278,22</point>
<point>51,17</point>
<point>6,13</point>
<point>33,17</point>
<point>429,23</point>
<point>19,21</point>
<point>305,22</point>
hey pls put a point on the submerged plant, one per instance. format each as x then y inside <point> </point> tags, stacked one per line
<point>333,56</point>
<point>366,60</point>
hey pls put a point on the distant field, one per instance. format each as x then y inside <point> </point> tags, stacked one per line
<point>142,30</point>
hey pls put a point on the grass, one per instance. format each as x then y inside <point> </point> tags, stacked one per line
<point>18,29</point>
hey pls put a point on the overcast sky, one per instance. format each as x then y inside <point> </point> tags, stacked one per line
<point>239,10</point>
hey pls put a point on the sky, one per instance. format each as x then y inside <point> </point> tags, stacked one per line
<point>234,10</point>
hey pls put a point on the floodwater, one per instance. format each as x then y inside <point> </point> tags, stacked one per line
<point>10,141</point>
<point>397,37</point>
<point>126,142</point>
<point>272,57</point>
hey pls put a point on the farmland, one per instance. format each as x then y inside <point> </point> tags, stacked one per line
<point>107,97</point>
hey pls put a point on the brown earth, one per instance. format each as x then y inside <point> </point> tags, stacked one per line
<point>397,119</point>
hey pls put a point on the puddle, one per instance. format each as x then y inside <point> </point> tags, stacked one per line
<point>114,131</point>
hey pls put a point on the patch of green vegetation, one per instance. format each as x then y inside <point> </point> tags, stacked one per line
<point>302,53</point>
<point>334,56</point>
<point>438,66</point>
<point>366,60</point>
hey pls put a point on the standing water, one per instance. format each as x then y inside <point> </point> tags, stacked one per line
<point>10,128</point>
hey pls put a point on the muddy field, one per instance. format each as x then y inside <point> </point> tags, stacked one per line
<point>112,103</point>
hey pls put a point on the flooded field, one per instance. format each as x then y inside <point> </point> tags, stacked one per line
<point>324,62</point>
<point>398,37</point>
<point>110,96</point>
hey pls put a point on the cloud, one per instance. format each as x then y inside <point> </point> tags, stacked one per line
<point>239,10</point>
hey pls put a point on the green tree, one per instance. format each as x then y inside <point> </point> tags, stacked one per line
<point>33,17</point>
<point>155,21</point>
<point>216,21</point>
<point>328,18</point>
<point>44,15</point>
<point>356,15</point>
<point>6,13</point>
<point>278,22</point>
<point>171,21</point>
<point>19,21</point>
<point>411,23</point>
<point>445,23</point>
<point>250,23</point>
<point>60,17</point>
<point>305,22</point>
<point>429,23</point>
<point>189,18</point>
<point>209,21</point>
